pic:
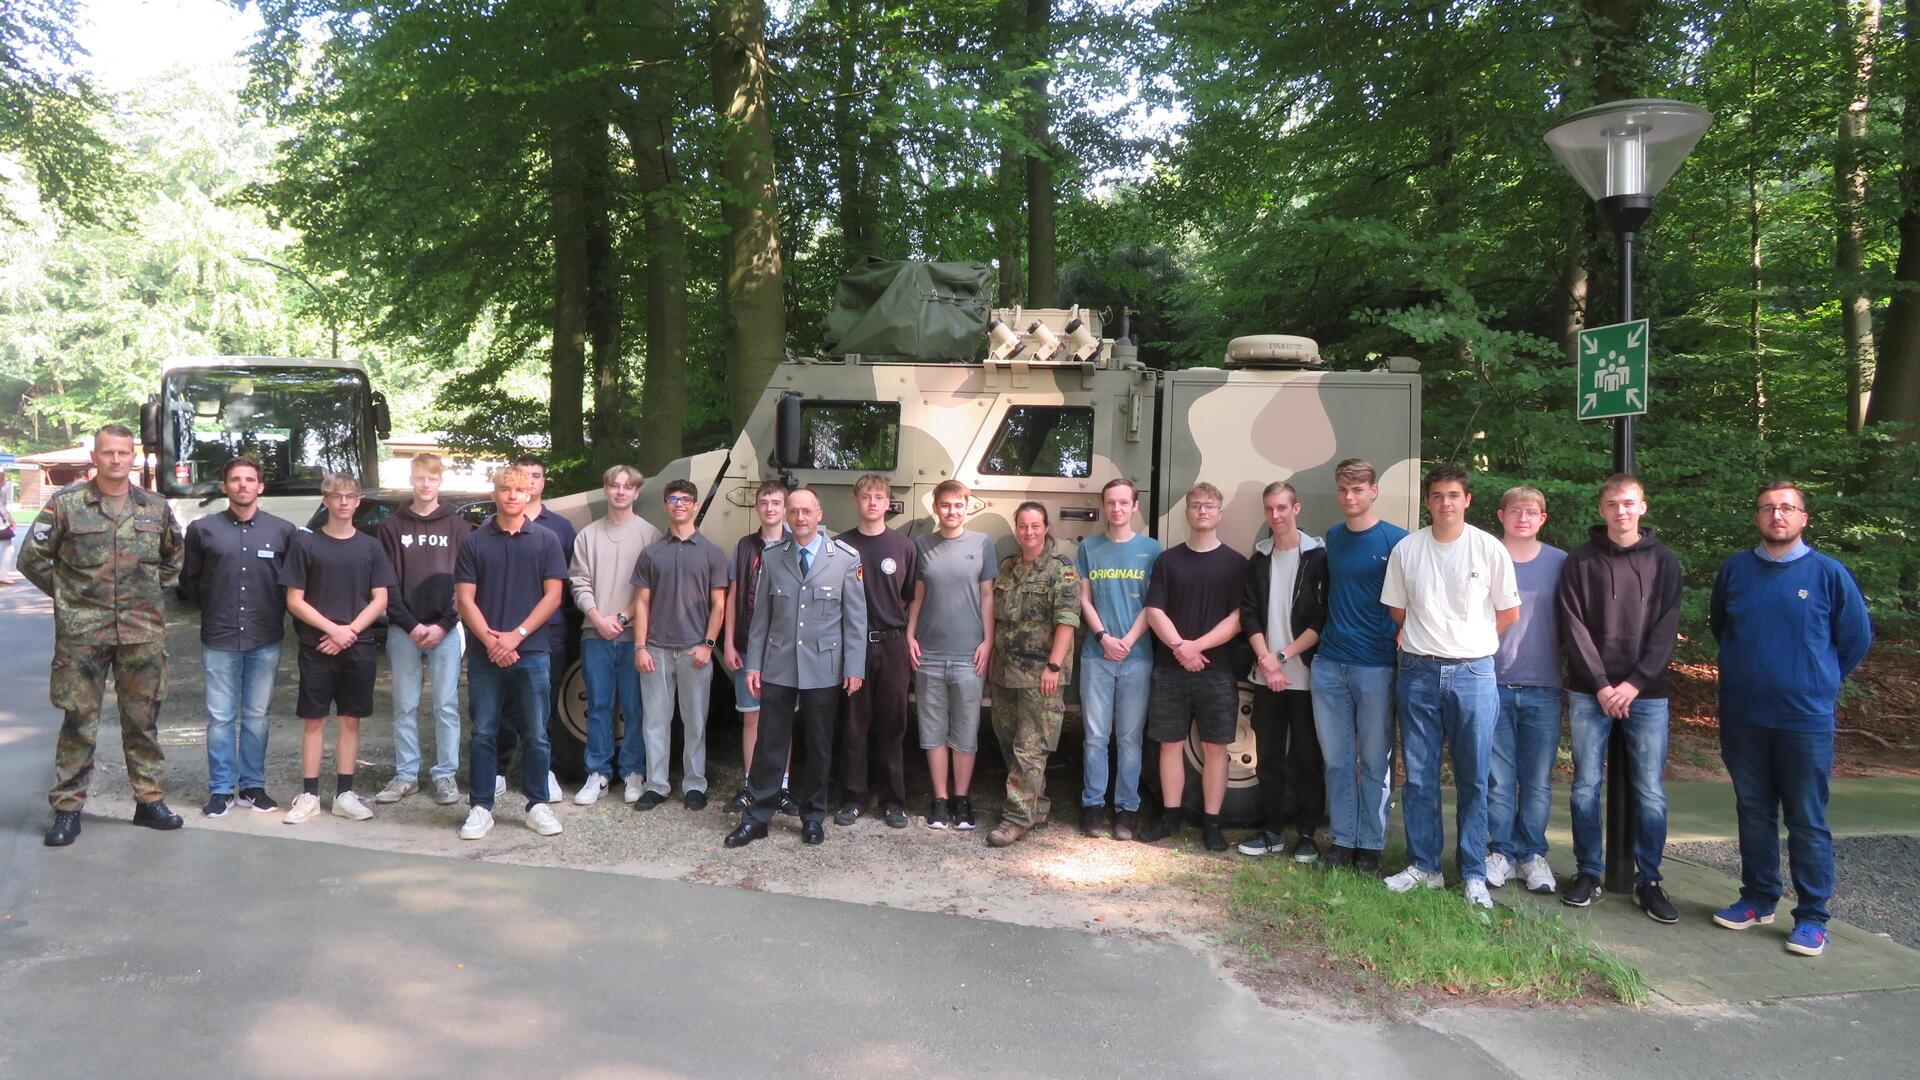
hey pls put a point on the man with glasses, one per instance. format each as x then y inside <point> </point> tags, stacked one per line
<point>1792,626</point>
<point>680,602</point>
<point>1193,607</point>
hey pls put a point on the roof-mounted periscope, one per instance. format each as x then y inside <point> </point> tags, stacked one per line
<point>1273,351</point>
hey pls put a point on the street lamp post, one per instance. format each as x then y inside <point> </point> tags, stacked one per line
<point>1623,153</point>
<point>333,326</point>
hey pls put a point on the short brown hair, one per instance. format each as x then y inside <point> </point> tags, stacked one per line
<point>1446,474</point>
<point>118,431</point>
<point>872,481</point>
<point>616,471</point>
<point>1120,481</point>
<point>1205,489</point>
<point>770,486</point>
<point>1355,471</point>
<point>1620,481</point>
<point>241,462</point>
<point>1523,493</point>
<point>1780,485</point>
<point>512,476</point>
<point>949,487</point>
<point>429,462</point>
<point>336,482</point>
<point>1276,488</point>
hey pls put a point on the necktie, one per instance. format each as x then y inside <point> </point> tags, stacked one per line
<point>806,561</point>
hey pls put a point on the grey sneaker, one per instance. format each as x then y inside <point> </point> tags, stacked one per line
<point>397,788</point>
<point>445,791</point>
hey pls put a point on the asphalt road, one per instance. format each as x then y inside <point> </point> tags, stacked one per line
<point>198,954</point>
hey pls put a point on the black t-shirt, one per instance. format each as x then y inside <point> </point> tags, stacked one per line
<point>338,576</point>
<point>887,567</point>
<point>1196,589</point>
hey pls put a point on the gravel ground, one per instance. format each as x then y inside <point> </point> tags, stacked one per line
<point>1877,886</point>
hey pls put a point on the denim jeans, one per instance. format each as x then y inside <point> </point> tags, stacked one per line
<point>239,689</point>
<point>490,687</point>
<point>1520,784</point>
<point>1785,770</point>
<point>441,665</point>
<point>1646,727</point>
<point>1353,716</point>
<point>1113,706</point>
<point>1454,701</point>
<point>607,668</point>
<point>675,678</point>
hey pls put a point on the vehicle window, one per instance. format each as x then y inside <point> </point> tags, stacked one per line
<point>1042,440</point>
<point>857,436</point>
<point>474,513</point>
<point>299,423</point>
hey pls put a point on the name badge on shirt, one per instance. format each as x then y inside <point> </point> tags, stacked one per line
<point>263,553</point>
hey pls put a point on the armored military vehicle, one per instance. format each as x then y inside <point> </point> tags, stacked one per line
<point>1053,411</point>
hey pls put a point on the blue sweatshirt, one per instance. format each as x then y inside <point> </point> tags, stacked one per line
<point>1789,632</point>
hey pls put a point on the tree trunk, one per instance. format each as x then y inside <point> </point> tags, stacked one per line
<point>855,209</point>
<point>755,326</point>
<point>1857,32</point>
<point>1010,231</point>
<point>1043,287</point>
<point>567,206</point>
<point>1896,383</point>
<point>648,123</point>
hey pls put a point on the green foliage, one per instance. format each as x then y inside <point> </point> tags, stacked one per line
<point>51,116</point>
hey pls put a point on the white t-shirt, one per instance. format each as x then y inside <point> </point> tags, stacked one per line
<point>1279,635</point>
<point>1450,592</point>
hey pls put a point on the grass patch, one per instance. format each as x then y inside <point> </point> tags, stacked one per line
<point>1429,940</point>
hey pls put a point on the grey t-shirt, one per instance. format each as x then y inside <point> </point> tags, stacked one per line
<point>1529,652</point>
<point>949,626</point>
<point>681,575</point>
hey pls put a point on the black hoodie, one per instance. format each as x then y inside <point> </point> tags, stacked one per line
<point>1619,613</point>
<point>422,550</point>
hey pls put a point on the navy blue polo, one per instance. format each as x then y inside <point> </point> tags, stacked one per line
<point>509,572</point>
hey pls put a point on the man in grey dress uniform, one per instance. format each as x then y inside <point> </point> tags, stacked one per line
<point>806,648</point>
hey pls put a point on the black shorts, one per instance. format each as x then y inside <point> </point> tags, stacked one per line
<point>342,683</point>
<point>1205,702</point>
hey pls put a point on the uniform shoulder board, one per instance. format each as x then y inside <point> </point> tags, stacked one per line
<point>302,528</point>
<point>1063,560</point>
<point>846,547</point>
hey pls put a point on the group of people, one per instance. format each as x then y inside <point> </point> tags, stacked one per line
<point>1460,640</point>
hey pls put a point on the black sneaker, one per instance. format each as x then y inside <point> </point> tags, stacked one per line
<point>939,816</point>
<point>217,806</point>
<point>1166,825</point>
<point>257,800</point>
<point>1338,857</point>
<point>1093,820</point>
<point>1581,891</point>
<point>694,800</point>
<point>787,805</point>
<point>1261,844</point>
<point>963,813</point>
<point>648,800</point>
<point>848,814</point>
<point>1305,850</point>
<point>1212,834</point>
<point>1125,824</point>
<point>740,802</point>
<point>1366,861</point>
<point>895,817</point>
<point>1653,900</point>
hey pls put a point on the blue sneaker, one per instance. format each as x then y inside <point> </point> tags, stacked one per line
<point>1807,939</point>
<point>1741,914</point>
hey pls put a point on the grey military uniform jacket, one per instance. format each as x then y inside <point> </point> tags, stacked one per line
<point>809,633</point>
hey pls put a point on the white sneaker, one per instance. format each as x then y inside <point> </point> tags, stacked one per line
<point>304,807</point>
<point>635,784</point>
<point>1539,875</point>
<point>445,791</point>
<point>478,824</point>
<point>499,785</point>
<point>1499,869</point>
<point>397,788</point>
<point>555,793</point>
<point>590,791</point>
<point>541,820</point>
<point>348,805</point>
<point>1477,894</point>
<point>1414,878</point>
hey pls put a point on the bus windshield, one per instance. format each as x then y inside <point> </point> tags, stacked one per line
<point>298,422</point>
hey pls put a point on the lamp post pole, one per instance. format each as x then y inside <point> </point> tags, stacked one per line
<point>326,306</point>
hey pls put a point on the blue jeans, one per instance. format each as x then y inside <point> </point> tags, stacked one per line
<point>239,689</point>
<point>1454,701</point>
<point>1787,770</point>
<point>607,668</point>
<point>489,686</point>
<point>1353,717</point>
<point>1646,727</point>
<point>1520,784</point>
<point>441,665</point>
<point>1113,706</point>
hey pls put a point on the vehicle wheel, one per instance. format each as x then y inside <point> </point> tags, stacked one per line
<point>567,729</point>
<point>1242,804</point>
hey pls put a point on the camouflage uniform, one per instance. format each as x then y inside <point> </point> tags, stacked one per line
<point>1028,602</point>
<point>106,576</point>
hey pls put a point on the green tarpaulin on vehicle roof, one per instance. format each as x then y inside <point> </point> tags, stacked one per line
<point>911,310</point>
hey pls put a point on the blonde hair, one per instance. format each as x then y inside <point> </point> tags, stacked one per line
<point>335,482</point>
<point>1523,493</point>
<point>1206,490</point>
<point>949,487</point>
<point>512,476</point>
<point>429,462</point>
<point>872,481</point>
<point>1355,471</point>
<point>635,476</point>
<point>1620,482</point>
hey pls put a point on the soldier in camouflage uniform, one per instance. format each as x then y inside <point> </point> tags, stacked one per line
<point>1036,606</point>
<point>106,550</point>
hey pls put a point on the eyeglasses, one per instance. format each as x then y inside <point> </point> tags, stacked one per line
<point>1781,509</point>
<point>1205,507</point>
<point>678,500</point>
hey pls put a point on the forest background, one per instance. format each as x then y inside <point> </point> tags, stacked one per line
<point>600,223</point>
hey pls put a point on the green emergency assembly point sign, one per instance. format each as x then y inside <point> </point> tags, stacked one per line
<point>1612,371</point>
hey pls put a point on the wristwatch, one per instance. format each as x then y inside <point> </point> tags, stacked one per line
<point>1099,635</point>
<point>710,643</point>
<point>1053,667</point>
<point>521,630</point>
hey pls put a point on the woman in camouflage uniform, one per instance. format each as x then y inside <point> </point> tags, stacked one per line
<point>1036,606</point>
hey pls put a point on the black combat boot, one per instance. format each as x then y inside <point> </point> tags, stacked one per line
<point>65,830</point>
<point>155,815</point>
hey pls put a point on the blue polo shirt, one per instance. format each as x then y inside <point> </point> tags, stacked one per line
<point>509,572</point>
